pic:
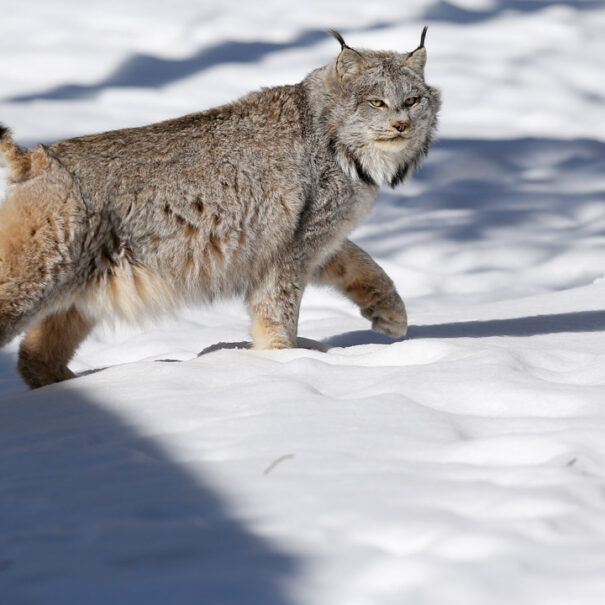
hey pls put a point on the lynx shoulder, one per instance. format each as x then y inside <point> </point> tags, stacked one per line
<point>255,198</point>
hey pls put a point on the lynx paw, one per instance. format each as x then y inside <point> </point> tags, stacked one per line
<point>37,373</point>
<point>388,316</point>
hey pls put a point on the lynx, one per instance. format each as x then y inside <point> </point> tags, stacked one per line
<point>254,198</point>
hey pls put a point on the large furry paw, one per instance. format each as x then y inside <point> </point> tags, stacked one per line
<point>38,373</point>
<point>388,316</point>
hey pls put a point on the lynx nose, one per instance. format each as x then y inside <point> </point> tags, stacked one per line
<point>401,125</point>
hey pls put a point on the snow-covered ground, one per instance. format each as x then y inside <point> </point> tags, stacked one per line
<point>462,465</point>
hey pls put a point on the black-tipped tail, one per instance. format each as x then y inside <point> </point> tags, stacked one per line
<point>18,159</point>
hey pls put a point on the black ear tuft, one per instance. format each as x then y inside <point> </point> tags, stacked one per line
<point>340,39</point>
<point>350,61</point>
<point>416,60</point>
<point>3,130</point>
<point>423,36</point>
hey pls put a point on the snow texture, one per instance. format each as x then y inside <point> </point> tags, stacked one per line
<point>463,464</point>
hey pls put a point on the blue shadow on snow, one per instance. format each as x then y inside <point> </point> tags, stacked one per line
<point>451,13</point>
<point>521,327</point>
<point>148,71</point>
<point>94,512</point>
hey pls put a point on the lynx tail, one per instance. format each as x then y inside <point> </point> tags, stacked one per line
<point>18,159</point>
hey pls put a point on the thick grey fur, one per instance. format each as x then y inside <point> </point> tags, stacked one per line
<point>255,198</point>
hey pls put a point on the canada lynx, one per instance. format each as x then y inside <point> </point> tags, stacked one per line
<point>253,198</point>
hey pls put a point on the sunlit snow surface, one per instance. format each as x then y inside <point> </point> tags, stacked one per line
<point>463,465</point>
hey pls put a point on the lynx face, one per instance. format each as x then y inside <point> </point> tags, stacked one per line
<point>388,114</point>
<point>395,111</point>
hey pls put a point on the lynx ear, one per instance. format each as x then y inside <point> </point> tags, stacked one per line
<point>350,62</point>
<point>416,60</point>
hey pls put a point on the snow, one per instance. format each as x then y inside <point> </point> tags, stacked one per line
<point>463,464</point>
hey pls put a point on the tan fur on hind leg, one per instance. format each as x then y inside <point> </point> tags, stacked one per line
<point>40,245</point>
<point>49,345</point>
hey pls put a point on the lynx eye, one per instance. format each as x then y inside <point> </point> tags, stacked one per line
<point>411,101</point>
<point>377,103</point>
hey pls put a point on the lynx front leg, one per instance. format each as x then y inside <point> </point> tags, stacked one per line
<point>47,348</point>
<point>274,306</point>
<point>357,276</point>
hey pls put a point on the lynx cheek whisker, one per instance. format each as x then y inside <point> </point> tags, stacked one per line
<point>255,198</point>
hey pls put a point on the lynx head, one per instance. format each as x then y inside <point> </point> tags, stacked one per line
<point>380,112</point>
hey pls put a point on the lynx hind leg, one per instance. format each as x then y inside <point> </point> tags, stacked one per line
<point>357,276</point>
<point>48,347</point>
<point>37,223</point>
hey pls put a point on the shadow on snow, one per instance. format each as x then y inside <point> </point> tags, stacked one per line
<point>445,11</point>
<point>93,512</point>
<point>468,189</point>
<point>538,325</point>
<point>148,71</point>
